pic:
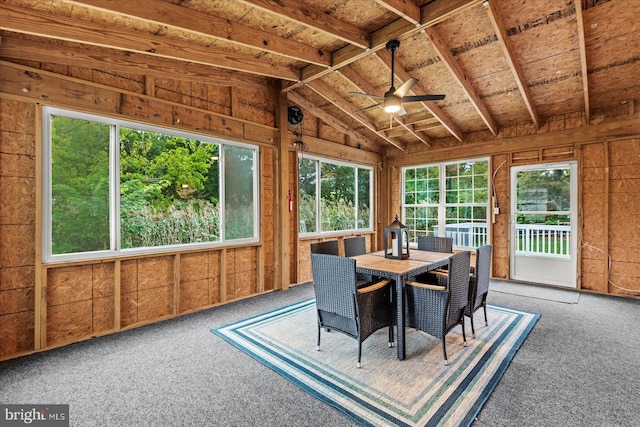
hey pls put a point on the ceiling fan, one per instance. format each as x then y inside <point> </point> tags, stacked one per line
<point>393,98</point>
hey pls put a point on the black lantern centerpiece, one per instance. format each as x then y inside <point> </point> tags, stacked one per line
<point>398,235</point>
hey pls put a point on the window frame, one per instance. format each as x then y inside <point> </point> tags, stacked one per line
<point>115,250</point>
<point>318,166</point>
<point>442,204</point>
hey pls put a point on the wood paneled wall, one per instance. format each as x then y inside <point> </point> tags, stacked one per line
<point>44,306</point>
<point>608,155</point>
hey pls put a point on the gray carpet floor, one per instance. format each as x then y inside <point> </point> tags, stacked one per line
<point>580,366</point>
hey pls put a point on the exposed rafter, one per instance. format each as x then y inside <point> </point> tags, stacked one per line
<point>456,71</point>
<point>17,19</point>
<point>78,55</point>
<point>433,108</point>
<point>583,59</point>
<point>432,13</point>
<point>314,18</point>
<point>518,75</point>
<point>320,113</point>
<point>407,9</point>
<point>363,85</point>
<point>330,95</point>
<point>164,13</point>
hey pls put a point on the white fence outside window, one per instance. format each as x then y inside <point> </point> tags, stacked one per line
<point>533,239</point>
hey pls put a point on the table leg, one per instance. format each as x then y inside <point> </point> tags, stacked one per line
<point>400,317</point>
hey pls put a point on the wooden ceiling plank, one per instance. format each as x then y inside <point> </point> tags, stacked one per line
<point>407,9</point>
<point>366,87</point>
<point>518,75</point>
<point>456,71</point>
<point>423,117</point>
<point>314,18</point>
<point>583,59</point>
<point>163,13</point>
<point>22,49</point>
<point>327,93</point>
<point>432,13</point>
<point>18,19</point>
<point>421,127</point>
<point>431,106</point>
<point>327,118</point>
<point>409,128</point>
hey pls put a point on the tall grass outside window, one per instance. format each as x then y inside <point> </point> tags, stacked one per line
<point>333,196</point>
<point>112,187</point>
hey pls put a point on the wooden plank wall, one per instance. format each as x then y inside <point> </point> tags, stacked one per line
<point>44,306</point>
<point>608,156</point>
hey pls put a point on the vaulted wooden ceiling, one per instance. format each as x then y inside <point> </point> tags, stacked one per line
<point>500,63</point>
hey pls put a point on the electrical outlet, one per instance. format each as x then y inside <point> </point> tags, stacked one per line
<point>496,210</point>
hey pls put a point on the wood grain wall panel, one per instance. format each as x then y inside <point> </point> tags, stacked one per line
<point>69,322</point>
<point>69,284</point>
<point>194,266</point>
<point>194,294</point>
<point>624,228</point>
<point>103,314</point>
<point>16,333</point>
<point>593,235</point>
<point>155,288</point>
<point>155,303</point>
<point>500,228</point>
<point>214,277</point>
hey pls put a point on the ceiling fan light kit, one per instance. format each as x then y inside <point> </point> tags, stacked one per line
<point>393,98</point>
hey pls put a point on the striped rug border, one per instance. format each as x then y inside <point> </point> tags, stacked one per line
<point>235,333</point>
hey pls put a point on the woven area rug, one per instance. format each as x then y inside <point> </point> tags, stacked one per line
<point>419,390</point>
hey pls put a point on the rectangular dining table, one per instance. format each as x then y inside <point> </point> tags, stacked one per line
<point>376,264</point>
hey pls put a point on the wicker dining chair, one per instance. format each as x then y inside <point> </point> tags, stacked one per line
<point>354,246</point>
<point>435,244</point>
<point>479,284</point>
<point>438,306</point>
<point>329,247</point>
<point>357,246</point>
<point>342,307</point>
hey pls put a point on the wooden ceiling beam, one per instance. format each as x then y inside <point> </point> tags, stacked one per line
<point>407,9</point>
<point>583,59</point>
<point>423,117</point>
<point>364,86</point>
<point>456,71</point>
<point>518,75</point>
<point>72,54</point>
<point>21,20</point>
<point>336,99</point>
<point>431,106</point>
<point>327,118</point>
<point>432,13</point>
<point>401,131</point>
<point>192,21</point>
<point>314,18</point>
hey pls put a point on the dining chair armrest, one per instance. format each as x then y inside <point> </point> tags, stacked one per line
<point>426,286</point>
<point>374,287</point>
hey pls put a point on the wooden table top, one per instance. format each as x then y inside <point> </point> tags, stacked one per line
<point>416,260</point>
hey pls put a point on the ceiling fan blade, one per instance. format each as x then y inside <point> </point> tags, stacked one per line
<point>367,95</point>
<point>367,108</point>
<point>418,98</point>
<point>406,87</point>
<point>402,111</point>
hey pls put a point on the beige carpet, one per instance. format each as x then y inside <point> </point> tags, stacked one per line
<point>386,391</point>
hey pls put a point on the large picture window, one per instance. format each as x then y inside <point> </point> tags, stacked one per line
<point>334,196</point>
<point>112,186</point>
<point>448,200</point>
